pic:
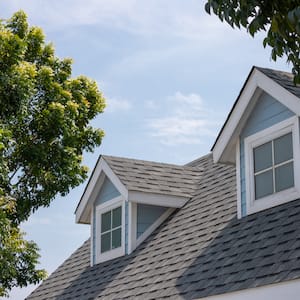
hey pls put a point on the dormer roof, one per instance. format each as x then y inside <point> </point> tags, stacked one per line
<point>140,181</point>
<point>153,177</point>
<point>277,84</point>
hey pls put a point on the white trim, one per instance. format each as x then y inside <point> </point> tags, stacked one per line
<point>271,133</point>
<point>223,150</point>
<point>287,290</point>
<point>93,187</point>
<point>108,204</point>
<point>132,226</point>
<point>157,199</point>
<point>83,213</point>
<point>158,222</point>
<point>92,239</point>
<point>238,180</point>
<point>99,210</point>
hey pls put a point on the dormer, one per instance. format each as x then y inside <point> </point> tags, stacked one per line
<point>261,138</point>
<point>125,200</point>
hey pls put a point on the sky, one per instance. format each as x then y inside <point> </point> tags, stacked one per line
<point>170,74</point>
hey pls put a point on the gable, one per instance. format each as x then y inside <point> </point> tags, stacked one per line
<point>107,192</point>
<point>224,148</point>
<point>266,112</point>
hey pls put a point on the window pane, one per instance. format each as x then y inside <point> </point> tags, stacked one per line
<point>283,148</point>
<point>117,217</point>
<point>262,157</point>
<point>284,177</point>
<point>106,221</point>
<point>116,238</point>
<point>264,184</point>
<point>105,242</point>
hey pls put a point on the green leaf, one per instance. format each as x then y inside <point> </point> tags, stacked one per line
<point>44,129</point>
<point>207,7</point>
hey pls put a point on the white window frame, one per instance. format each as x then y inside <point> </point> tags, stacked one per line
<point>101,209</point>
<point>260,138</point>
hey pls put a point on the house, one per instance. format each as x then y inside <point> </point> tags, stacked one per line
<point>225,226</point>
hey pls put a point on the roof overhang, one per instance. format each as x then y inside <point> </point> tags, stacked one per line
<point>224,148</point>
<point>157,199</point>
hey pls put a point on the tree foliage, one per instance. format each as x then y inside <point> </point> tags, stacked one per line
<point>18,257</point>
<point>44,129</point>
<point>280,19</point>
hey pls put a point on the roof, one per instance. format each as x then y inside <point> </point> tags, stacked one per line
<point>202,249</point>
<point>284,79</point>
<point>154,177</point>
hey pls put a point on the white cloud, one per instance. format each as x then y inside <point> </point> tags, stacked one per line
<point>117,105</point>
<point>167,18</point>
<point>187,121</point>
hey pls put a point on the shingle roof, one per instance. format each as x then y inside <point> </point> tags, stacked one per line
<point>202,249</point>
<point>154,177</point>
<point>284,79</point>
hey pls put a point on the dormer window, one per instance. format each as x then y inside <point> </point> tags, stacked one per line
<point>261,138</point>
<point>272,161</point>
<point>273,166</point>
<point>110,229</point>
<point>127,199</point>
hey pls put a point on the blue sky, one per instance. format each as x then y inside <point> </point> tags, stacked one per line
<point>170,74</point>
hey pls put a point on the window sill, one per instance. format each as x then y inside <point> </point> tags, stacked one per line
<point>273,200</point>
<point>109,255</point>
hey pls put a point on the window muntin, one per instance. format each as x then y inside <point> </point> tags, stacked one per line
<point>273,166</point>
<point>111,229</point>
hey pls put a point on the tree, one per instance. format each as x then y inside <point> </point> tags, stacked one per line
<point>44,129</point>
<point>280,19</point>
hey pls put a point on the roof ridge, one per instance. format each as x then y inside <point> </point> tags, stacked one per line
<point>198,160</point>
<point>185,166</point>
<point>289,74</point>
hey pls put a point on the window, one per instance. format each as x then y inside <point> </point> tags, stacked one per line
<point>110,230</point>
<point>271,164</point>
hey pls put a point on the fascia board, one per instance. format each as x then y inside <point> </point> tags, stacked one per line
<point>278,92</point>
<point>157,199</point>
<point>93,187</point>
<point>243,107</point>
<point>232,123</point>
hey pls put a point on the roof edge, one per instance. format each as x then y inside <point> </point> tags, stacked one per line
<point>256,82</point>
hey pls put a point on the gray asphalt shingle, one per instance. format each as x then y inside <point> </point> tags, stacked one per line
<point>154,177</point>
<point>202,249</point>
<point>284,79</point>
